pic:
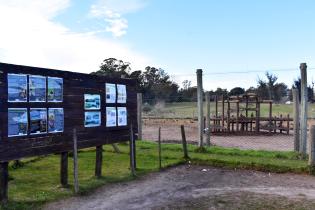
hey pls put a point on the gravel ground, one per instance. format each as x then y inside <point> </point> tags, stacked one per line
<point>198,187</point>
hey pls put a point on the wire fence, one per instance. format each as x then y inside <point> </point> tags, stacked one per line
<point>232,125</point>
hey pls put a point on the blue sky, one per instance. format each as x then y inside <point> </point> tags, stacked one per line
<point>178,36</point>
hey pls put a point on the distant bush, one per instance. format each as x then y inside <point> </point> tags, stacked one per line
<point>147,107</point>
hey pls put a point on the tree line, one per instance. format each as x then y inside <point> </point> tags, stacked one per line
<point>156,84</point>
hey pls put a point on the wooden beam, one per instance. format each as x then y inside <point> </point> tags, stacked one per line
<point>64,169</point>
<point>99,161</point>
<point>4,180</point>
<point>75,161</point>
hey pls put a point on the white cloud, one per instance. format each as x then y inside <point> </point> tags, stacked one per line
<point>29,37</point>
<point>111,11</point>
<point>47,8</point>
<point>117,26</point>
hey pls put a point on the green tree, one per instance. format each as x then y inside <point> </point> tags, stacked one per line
<point>236,91</point>
<point>157,85</point>
<point>297,85</point>
<point>111,67</point>
<point>270,89</point>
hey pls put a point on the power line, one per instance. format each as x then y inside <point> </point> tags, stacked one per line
<point>244,72</point>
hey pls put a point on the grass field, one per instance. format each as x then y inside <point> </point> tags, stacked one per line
<point>37,182</point>
<point>189,110</point>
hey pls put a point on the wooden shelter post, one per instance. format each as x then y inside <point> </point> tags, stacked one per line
<point>222,113</point>
<point>228,115</point>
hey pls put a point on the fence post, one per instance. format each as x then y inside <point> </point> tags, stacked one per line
<point>296,119</point>
<point>64,169</point>
<point>4,179</point>
<point>182,128</point>
<point>208,118</point>
<point>304,97</point>
<point>132,152</point>
<point>311,159</point>
<point>139,111</point>
<point>75,161</point>
<point>159,149</point>
<point>200,106</point>
<point>98,161</point>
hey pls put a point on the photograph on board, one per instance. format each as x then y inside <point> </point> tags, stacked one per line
<point>55,89</point>
<point>17,88</point>
<point>122,116</point>
<point>17,122</point>
<point>92,119</point>
<point>37,88</point>
<point>110,93</point>
<point>121,94</point>
<point>55,120</point>
<point>38,120</point>
<point>110,116</point>
<point>92,102</point>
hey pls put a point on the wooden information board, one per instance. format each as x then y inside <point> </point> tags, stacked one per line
<point>39,108</point>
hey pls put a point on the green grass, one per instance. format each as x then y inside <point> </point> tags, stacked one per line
<point>37,182</point>
<point>189,110</point>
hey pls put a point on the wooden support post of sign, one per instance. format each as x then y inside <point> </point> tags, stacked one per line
<point>304,97</point>
<point>64,169</point>
<point>182,129</point>
<point>159,149</point>
<point>207,119</point>
<point>139,116</point>
<point>4,179</point>
<point>296,119</point>
<point>132,152</point>
<point>311,160</point>
<point>75,161</point>
<point>200,106</point>
<point>99,161</point>
<point>116,149</point>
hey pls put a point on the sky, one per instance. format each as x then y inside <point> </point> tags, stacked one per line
<point>180,36</point>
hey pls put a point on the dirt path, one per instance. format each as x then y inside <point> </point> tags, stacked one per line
<point>197,187</point>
